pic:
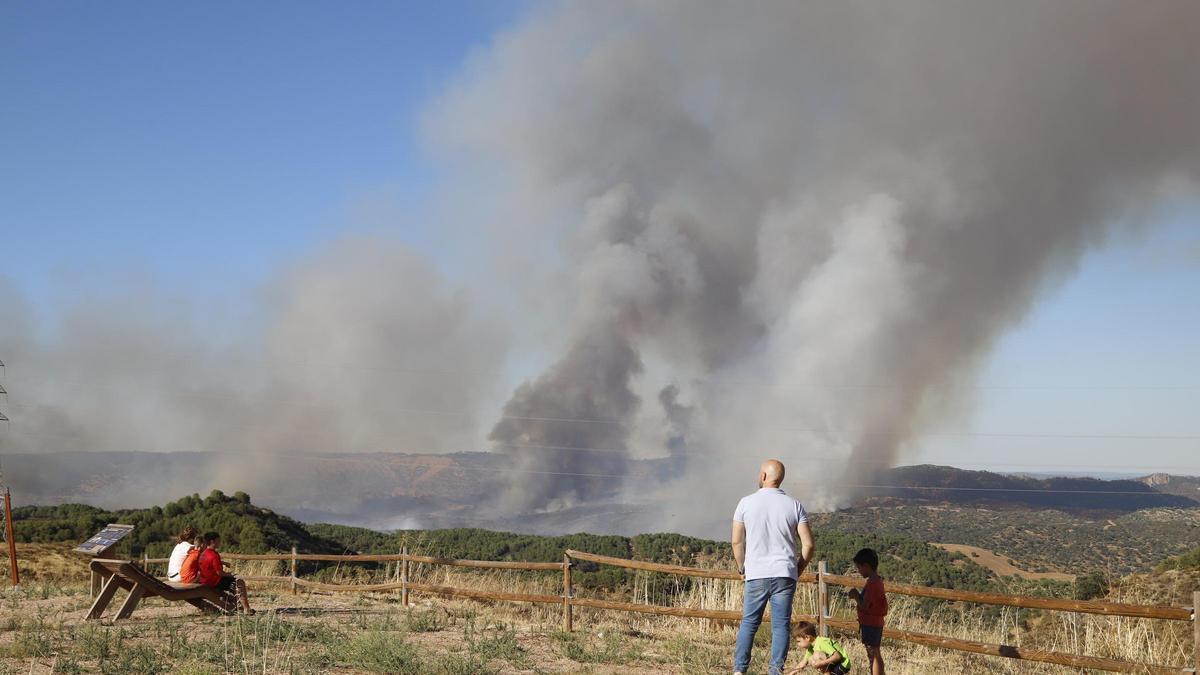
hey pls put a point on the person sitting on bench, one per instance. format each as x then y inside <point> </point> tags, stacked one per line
<point>186,538</point>
<point>213,574</point>
<point>189,571</point>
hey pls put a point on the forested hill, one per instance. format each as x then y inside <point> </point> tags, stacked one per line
<point>247,528</point>
<point>243,527</point>
<point>904,558</point>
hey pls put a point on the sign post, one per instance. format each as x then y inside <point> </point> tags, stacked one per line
<point>101,544</point>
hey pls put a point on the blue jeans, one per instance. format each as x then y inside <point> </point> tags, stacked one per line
<point>757,592</point>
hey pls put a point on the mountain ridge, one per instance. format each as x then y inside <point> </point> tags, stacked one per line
<point>397,490</point>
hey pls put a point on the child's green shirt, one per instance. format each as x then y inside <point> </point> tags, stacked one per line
<point>828,647</point>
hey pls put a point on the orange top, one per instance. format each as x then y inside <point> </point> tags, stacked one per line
<point>190,569</point>
<point>873,604</point>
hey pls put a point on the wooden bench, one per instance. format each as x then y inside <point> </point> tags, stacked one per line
<point>128,575</point>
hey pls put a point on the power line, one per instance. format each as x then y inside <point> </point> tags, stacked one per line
<point>855,433</point>
<point>939,488</point>
<point>1149,492</point>
<point>711,378</point>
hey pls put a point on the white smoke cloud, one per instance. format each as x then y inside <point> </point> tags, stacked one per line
<point>361,347</point>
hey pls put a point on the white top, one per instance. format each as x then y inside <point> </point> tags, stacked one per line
<point>176,562</point>
<point>770,517</point>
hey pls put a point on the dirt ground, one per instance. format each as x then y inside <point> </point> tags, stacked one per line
<point>42,631</point>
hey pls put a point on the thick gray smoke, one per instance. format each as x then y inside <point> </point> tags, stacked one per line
<point>363,347</point>
<point>815,216</point>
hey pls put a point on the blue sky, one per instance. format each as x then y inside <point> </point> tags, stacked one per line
<point>1112,351</point>
<point>207,145</point>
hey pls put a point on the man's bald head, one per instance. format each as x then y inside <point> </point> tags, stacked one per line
<point>770,474</point>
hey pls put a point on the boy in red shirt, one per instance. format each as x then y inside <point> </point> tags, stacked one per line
<point>872,607</point>
<point>212,572</point>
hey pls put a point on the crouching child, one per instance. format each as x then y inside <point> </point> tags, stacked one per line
<point>820,653</point>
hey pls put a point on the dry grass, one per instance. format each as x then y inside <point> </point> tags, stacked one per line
<point>1135,640</point>
<point>44,562</point>
<point>1001,565</point>
<point>41,630</point>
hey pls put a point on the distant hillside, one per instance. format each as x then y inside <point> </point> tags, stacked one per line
<point>1045,541</point>
<point>1184,486</point>
<point>929,483</point>
<point>393,490</point>
<point>379,490</point>
<point>1187,561</point>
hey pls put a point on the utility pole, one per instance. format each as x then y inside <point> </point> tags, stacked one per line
<point>5,392</point>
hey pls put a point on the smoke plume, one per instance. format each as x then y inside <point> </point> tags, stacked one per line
<point>361,347</point>
<point>778,228</point>
<point>815,217</point>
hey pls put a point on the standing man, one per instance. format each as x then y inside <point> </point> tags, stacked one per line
<point>765,527</point>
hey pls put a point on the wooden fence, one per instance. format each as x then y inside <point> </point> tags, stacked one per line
<point>822,578</point>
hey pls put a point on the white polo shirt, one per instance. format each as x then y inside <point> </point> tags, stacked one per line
<point>770,517</point>
<point>175,563</point>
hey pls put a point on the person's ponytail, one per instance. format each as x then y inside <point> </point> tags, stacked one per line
<point>188,534</point>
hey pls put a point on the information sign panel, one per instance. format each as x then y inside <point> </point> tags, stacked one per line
<point>104,539</point>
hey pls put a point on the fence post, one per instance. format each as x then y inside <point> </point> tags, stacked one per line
<point>293,570</point>
<point>567,623</point>
<point>1196,629</point>
<point>404,577</point>
<point>822,599</point>
<point>14,569</point>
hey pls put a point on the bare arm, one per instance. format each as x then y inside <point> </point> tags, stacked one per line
<point>807,546</point>
<point>830,660</point>
<point>739,546</point>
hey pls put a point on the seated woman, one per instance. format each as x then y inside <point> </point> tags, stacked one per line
<point>189,572</point>
<point>213,574</point>
<point>186,540</point>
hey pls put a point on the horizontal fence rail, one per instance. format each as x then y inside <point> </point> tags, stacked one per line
<point>1011,652</point>
<point>567,600</point>
<point>391,557</point>
<point>1007,651</point>
<point>806,578</point>
<point>1056,604</point>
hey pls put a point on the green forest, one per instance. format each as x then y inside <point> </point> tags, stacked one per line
<point>243,527</point>
<point>247,528</point>
<point>1187,561</point>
